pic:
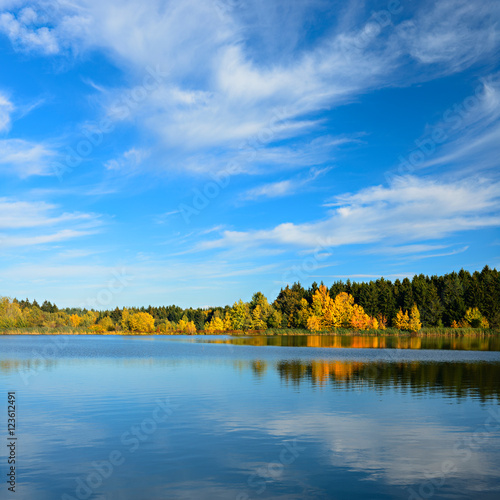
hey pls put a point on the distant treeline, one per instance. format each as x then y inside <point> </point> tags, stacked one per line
<point>455,299</point>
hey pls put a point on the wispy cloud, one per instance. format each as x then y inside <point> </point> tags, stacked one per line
<point>283,188</point>
<point>26,223</point>
<point>219,91</point>
<point>6,108</point>
<point>24,159</point>
<point>129,161</point>
<point>451,33</point>
<point>410,209</point>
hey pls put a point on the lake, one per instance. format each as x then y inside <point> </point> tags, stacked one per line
<point>160,417</point>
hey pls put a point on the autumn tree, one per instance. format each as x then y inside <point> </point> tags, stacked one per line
<point>107,324</point>
<point>125,319</point>
<point>260,310</point>
<point>186,326</point>
<point>359,319</point>
<point>216,325</point>
<point>475,319</point>
<point>75,320</point>
<point>141,322</point>
<point>402,320</point>
<point>240,316</point>
<point>414,324</point>
<point>89,319</point>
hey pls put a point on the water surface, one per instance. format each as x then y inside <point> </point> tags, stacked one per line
<point>192,418</point>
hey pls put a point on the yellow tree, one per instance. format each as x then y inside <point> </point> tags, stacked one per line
<point>258,322</point>
<point>414,324</point>
<point>359,319</point>
<point>342,310</point>
<point>125,317</point>
<point>75,320</point>
<point>216,325</point>
<point>186,326</point>
<point>322,310</point>
<point>190,327</point>
<point>228,324</point>
<point>313,323</point>
<point>10,313</point>
<point>141,322</point>
<point>402,320</point>
<point>107,324</point>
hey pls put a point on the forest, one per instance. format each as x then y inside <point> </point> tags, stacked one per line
<point>454,300</point>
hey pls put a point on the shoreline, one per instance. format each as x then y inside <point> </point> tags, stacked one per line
<point>430,332</point>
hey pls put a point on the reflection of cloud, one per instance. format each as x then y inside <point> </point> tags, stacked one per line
<point>400,454</point>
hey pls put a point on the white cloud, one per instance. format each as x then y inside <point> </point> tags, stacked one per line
<point>23,158</point>
<point>471,130</point>
<point>6,108</point>
<point>129,161</point>
<point>23,241</point>
<point>410,209</point>
<point>283,188</point>
<point>28,214</point>
<point>23,34</point>
<point>231,77</point>
<point>455,33</point>
<point>26,223</point>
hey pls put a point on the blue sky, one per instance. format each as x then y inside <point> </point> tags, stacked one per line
<point>195,152</point>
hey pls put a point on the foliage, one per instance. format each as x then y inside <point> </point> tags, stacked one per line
<point>215,325</point>
<point>106,324</point>
<point>475,319</point>
<point>186,326</point>
<point>75,320</point>
<point>141,322</point>
<point>461,300</point>
<point>402,320</point>
<point>415,324</point>
<point>410,322</point>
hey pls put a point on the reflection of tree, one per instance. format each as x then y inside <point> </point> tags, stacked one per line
<point>367,342</point>
<point>456,380</point>
<point>15,365</point>
<point>259,367</point>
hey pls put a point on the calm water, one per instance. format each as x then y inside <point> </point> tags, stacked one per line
<point>105,417</point>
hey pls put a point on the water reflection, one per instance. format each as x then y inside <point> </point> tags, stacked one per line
<point>458,380</point>
<point>490,343</point>
<point>371,425</point>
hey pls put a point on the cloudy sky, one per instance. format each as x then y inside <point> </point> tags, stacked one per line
<point>195,152</point>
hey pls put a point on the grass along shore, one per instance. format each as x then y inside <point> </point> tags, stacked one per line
<point>389,332</point>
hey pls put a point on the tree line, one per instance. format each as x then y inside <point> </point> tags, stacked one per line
<point>453,300</point>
